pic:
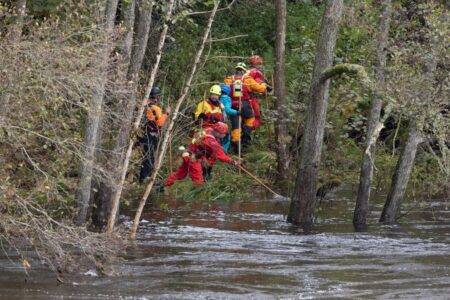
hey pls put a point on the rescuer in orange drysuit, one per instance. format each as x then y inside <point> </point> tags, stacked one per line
<point>256,73</point>
<point>242,86</point>
<point>155,119</point>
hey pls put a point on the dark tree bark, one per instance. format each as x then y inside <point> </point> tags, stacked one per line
<point>303,199</point>
<point>365,179</point>
<point>280,90</point>
<point>402,174</point>
<point>19,10</point>
<point>94,118</point>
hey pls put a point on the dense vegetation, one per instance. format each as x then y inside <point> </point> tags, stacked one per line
<point>49,71</point>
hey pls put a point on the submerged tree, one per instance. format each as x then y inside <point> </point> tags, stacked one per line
<point>304,195</point>
<point>421,85</point>
<point>374,127</point>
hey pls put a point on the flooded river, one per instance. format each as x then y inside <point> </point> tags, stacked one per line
<point>247,250</point>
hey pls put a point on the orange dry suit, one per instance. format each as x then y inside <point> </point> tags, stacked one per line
<point>259,77</point>
<point>155,119</point>
<point>249,86</point>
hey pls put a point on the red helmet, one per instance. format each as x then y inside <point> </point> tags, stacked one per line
<point>220,127</point>
<point>255,60</point>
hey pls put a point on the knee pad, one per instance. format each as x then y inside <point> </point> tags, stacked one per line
<point>235,135</point>
<point>249,122</point>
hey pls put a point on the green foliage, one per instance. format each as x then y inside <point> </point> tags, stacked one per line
<point>56,66</point>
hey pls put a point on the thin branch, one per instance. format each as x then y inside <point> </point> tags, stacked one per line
<point>227,38</point>
<point>195,13</point>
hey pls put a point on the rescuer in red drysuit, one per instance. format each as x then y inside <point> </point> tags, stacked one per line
<point>255,72</point>
<point>201,155</point>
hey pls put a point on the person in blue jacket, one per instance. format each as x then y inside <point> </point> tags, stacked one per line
<point>231,113</point>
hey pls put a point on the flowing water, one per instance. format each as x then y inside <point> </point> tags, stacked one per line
<point>247,250</point>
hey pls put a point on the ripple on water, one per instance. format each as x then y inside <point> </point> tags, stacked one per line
<point>250,251</point>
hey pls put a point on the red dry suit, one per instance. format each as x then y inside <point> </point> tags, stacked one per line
<point>204,150</point>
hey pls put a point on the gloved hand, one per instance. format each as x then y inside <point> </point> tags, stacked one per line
<point>238,113</point>
<point>269,88</point>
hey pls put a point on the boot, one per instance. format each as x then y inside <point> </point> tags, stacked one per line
<point>246,136</point>
<point>235,147</point>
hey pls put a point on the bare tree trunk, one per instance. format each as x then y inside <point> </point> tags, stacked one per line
<point>19,9</point>
<point>280,90</point>
<point>405,162</point>
<point>165,142</point>
<point>118,190</point>
<point>402,173</point>
<point>145,10</point>
<point>129,19</point>
<point>303,200</point>
<point>93,119</point>
<point>138,47</point>
<point>105,184</point>
<point>138,52</point>
<point>365,179</point>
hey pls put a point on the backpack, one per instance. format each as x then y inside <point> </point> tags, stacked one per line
<point>237,87</point>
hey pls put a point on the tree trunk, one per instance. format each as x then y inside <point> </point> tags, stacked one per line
<point>138,52</point>
<point>365,179</point>
<point>124,166</point>
<point>402,173</point>
<point>303,200</point>
<point>105,184</point>
<point>280,91</point>
<point>129,19</point>
<point>19,9</point>
<point>93,118</point>
<point>163,147</point>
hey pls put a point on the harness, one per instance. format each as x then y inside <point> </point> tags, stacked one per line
<point>239,91</point>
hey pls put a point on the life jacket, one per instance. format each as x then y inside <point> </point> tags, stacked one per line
<point>211,113</point>
<point>239,91</point>
<point>257,75</point>
<point>155,118</point>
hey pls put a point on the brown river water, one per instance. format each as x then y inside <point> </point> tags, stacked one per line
<point>246,250</point>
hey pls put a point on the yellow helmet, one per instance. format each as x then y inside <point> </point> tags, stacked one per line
<point>215,89</point>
